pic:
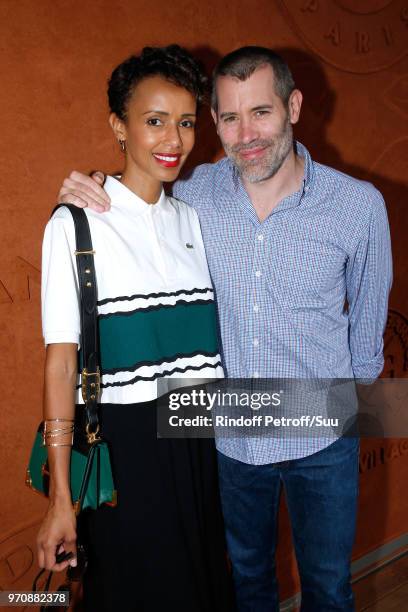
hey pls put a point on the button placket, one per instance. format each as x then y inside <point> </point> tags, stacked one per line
<point>257,303</point>
<point>157,245</point>
<point>170,243</point>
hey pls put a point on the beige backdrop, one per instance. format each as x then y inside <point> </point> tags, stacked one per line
<point>349,58</point>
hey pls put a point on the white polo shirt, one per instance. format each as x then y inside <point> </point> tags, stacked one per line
<point>156,308</point>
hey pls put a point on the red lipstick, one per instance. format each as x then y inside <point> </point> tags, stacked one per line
<point>168,160</point>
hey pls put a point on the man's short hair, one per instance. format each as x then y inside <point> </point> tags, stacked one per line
<point>243,62</point>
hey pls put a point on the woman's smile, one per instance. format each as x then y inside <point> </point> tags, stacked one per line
<point>167,160</point>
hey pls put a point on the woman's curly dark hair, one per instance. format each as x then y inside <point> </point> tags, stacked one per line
<point>173,63</point>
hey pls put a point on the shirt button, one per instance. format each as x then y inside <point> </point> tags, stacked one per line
<point>255,342</point>
<point>260,237</point>
<point>258,273</point>
<point>256,374</point>
<point>256,308</point>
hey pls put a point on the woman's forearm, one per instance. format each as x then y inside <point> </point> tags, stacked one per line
<point>59,403</point>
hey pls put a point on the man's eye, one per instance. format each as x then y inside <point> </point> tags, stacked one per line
<point>261,113</point>
<point>229,119</point>
<point>155,121</point>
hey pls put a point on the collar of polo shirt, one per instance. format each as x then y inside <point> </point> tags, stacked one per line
<point>123,197</point>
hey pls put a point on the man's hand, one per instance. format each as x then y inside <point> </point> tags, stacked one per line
<point>82,191</point>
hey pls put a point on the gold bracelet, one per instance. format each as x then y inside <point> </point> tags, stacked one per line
<point>58,420</point>
<point>56,435</point>
<point>58,429</point>
<point>46,443</point>
<point>56,444</point>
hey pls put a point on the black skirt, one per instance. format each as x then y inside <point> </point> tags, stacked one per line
<point>162,548</point>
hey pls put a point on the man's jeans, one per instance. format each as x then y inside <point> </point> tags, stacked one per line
<point>321,494</point>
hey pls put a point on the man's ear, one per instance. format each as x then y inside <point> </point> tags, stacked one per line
<point>294,105</point>
<point>118,126</point>
<point>214,116</point>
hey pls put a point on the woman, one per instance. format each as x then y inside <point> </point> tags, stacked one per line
<point>162,547</point>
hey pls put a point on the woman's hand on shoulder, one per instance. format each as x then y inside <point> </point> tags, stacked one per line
<point>57,534</point>
<point>85,191</point>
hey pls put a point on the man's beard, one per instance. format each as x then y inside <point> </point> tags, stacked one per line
<point>277,150</point>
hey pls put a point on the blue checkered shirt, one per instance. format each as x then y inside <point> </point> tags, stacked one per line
<point>302,294</point>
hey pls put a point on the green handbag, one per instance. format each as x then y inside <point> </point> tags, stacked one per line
<point>90,472</point>
<point>91,476</point>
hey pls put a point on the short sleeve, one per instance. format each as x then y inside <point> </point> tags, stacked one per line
<point>59,282</point>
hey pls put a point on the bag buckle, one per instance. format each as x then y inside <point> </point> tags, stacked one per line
<point>92,252</point>
<point>92,436</point>
<point>93,386</point>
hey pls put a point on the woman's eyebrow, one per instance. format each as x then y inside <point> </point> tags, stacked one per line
<point>158,112</point>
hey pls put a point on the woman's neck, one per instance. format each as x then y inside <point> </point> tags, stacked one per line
<point>143,185</point>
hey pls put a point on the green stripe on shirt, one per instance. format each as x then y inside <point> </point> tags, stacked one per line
<point>151,336</point>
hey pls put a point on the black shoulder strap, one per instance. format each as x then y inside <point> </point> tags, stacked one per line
<point>89,323</point>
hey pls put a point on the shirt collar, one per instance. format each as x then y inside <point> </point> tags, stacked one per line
<point>309,169</point>
<point>124,198</point>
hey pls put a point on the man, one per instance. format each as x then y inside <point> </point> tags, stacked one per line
<point>300,259</point>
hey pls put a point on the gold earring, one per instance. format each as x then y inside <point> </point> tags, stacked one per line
<point>122,144</point>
